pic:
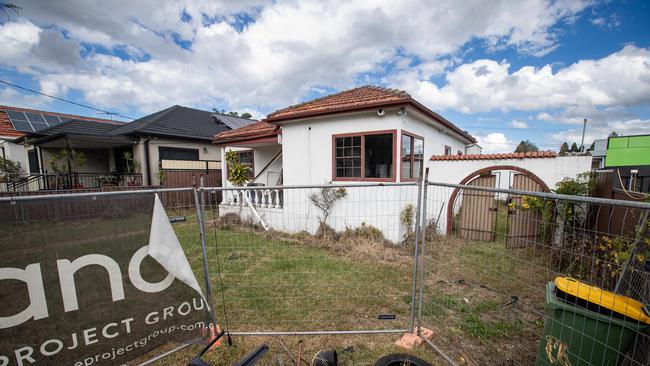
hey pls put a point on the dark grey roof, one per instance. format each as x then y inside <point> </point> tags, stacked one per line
<point>176,121</point>
<point>79,127</point>
<point>232,121</point>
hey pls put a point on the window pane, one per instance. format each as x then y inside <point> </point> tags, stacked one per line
<point>246,157</point>
<point>406,145</point>
<point>406,167</point>
<point>339,142</point>
<point>417,168</point>
<point>379,156</point>
<point>418,147</point>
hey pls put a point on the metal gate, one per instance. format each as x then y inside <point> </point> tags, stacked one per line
<point>478,210</point>
<point>523,224</point>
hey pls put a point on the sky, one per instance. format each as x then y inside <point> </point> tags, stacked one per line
<point>503,70</point>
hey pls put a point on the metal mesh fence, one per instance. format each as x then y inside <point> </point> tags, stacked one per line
<point>477,265</point>
<point>289,266</point>
<point>493,270</point>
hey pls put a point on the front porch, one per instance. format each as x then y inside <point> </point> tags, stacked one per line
<point>69,161</point>
<point>259,148</point>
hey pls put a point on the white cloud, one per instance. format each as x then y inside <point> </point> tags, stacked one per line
<point>519,124</point>
<point>620,79</point>
<point>495,142</point>
<point>291,46</point>
<point>635,126</point>
<point>17,40</point>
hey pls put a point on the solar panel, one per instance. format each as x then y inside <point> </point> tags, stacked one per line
<point>18,116</point>
<point>22,126</point>
<point>35,118</point>
<point>52,120</point>
<point>19,121</point>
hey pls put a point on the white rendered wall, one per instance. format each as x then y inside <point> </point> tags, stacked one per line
<point>549,170</point>
<point>307,144</point>
<point>307,159</point>
<point>17,153</point>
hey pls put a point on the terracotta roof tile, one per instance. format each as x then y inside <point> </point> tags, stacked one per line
<point>361,98</point>
<point>255,130</point>
<point>528,155</point>
<point>7,129</point>
<point>349,99</point>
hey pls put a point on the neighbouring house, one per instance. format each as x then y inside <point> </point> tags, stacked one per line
<point>598,151</point>
<point>367,134</point>
<point>16,123</point>
<point>628,158</point>
<point>116,153</point>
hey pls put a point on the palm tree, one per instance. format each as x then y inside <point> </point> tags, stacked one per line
<point>7,9</point>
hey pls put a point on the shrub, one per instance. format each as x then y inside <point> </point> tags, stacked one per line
<point>407,218</point>
<point>326,199</point>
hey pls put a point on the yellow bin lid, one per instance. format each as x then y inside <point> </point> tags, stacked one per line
<point>609,300</point>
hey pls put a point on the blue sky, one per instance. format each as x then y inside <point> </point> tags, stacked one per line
<point>503,70</point>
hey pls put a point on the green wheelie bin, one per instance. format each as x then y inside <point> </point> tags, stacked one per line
<point>585,325</point>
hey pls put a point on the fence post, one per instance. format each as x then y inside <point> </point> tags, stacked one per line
<point>423,239</point>
<point>416,253</point>
<point>206,274</point>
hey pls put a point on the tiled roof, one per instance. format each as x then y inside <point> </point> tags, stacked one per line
<point>7,129</point>
<point>78,127</point>
<point>361,98</point>
<point>528,155</point>
<point>364,96</point>
<point>256,130</point>
<point>176,121</point>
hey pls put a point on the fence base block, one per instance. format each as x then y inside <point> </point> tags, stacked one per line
<point>411,340</point>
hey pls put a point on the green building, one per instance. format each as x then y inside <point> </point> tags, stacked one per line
<point>630,157</point>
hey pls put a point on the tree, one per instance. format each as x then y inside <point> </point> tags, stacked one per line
<point>61,164</point>
<point>7,9</point>
<point>232,113</point>
<point>526,146</point>
<point>613,134</point>
<point>564,149</point>
<point>574,148</point>
<point>9,170</point>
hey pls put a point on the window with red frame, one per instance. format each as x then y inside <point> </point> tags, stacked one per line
<point>412,156</point>
<point>364,156</point>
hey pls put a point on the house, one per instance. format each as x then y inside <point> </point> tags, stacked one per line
<point>367,134</point>
<point>120,153</point>
<point>598,151</point>
<point>628,157</point>
<point>16,123</point>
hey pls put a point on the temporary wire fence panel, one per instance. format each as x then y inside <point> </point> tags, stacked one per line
<point>488,301</point>
<point>333,259</point>
<point>77,286</point>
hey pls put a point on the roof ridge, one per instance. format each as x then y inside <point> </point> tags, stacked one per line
<point>396,92</point>
<point>154,116</point>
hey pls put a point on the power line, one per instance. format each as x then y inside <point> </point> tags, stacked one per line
<point>65,100</point>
